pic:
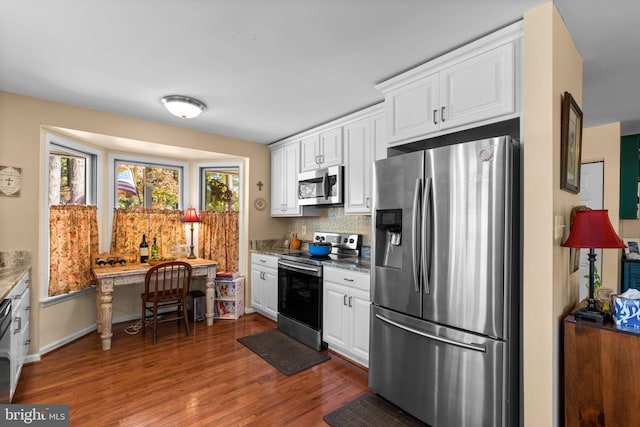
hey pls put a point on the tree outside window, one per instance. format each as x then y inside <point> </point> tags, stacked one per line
<point>147,186</point>
<point>221,189</point>
<point>67,178</point>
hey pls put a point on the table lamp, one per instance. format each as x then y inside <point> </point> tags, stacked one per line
<point>191,216</point>
<point>593,230</point>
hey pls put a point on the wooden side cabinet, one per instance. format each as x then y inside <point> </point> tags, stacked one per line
<point>601,374</point>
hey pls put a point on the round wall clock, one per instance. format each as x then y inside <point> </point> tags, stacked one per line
<point>10,181</point>
<point>260,203</point>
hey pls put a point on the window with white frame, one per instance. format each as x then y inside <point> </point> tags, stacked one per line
<point>72,174</point>
<point>220,188</point>
<point>72,183</point>
<point>147,185</point>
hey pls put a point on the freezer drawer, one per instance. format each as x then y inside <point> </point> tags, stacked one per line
<point>442,376</point>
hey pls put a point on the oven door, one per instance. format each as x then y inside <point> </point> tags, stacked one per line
<point>320,187</point>
<point>300,293</point>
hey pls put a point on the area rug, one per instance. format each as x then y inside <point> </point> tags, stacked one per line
<point>370,410</point>
<point>283,352</point>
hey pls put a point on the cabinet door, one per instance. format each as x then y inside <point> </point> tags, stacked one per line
<point>413,110</point>
<point>270,293</point>
<point>334,315</point>
<point>358,148</point>
<point>360,315</point>
<point>629,173</point>
<point>291,169</point>
<point>379,136</point>
<point>479,88</point>
<point>277,181</point>
<point>309,153</point>
<point>257,284</point>
<point>331,148</point>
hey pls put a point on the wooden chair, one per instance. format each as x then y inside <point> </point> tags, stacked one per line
<point>166,285</point>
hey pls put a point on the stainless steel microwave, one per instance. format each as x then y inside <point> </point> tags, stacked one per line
<point>321,187</point>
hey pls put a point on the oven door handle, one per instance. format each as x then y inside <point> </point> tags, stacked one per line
<point>298,267</point>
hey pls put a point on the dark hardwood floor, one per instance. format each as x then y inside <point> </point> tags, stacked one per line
<point>206,379</point>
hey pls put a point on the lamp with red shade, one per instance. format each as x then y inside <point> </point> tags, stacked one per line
<point>191,216</point>
<point>593,230</point>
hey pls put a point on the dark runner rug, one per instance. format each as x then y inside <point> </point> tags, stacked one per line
<point>283,352</point>
<point>370,410</point>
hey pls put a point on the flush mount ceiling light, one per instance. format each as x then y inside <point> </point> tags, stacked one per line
<point>183,106</point>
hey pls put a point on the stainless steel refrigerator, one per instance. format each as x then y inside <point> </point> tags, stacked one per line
<point>446,284</point>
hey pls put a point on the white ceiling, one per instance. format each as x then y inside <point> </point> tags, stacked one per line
<point>269,69</point>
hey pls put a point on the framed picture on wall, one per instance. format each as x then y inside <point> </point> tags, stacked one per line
<point>570,145</point>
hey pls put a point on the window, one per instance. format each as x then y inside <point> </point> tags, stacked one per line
<point>147,185</point>
<point>71,176</point>
<point>72,192</point>
<point>220,188</point>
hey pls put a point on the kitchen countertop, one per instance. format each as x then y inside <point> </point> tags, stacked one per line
<point>361,264</point>
<point>9,277</point>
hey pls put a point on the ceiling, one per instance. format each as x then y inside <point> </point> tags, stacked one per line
<point>270,69</point>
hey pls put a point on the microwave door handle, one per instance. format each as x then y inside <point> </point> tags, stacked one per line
<point>326,185</point>
<point>415,223</point>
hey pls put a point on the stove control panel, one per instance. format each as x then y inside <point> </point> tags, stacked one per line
<point>339,240</point>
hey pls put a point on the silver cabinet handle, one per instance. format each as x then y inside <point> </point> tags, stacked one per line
<point>442,114</point>
<point>344,300</point>
<point>346,279</point>
<point>435,116</point>
<point>321,158</point>
<point>263,260</point>
<point>19,320</point>
<point>350,302</point>
<point>367,201</point>
<point>469,346</point>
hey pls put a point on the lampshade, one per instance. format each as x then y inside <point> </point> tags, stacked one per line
<point>592,229</point>
<point>183,106</point>
<point>191,216</point>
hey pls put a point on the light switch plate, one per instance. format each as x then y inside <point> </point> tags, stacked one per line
<point>558,226</point>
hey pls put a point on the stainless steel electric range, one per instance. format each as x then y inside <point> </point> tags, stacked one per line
<point>300,287</point>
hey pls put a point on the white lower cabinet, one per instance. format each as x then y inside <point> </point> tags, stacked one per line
<point>345,317</point>
<point>20,309</point>
<point>264,284</point>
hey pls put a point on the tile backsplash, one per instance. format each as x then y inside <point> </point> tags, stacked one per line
<point>333,219</point>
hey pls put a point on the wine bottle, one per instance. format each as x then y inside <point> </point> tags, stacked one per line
<point>144,250</point>
<point>154,250</point>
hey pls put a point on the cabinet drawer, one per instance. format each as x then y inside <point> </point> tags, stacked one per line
<point>264,260</point>
<point>350,278</point>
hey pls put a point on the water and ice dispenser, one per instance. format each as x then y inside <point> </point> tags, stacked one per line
<point>389,238</point>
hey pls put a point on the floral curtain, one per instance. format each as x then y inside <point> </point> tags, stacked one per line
<point>218,239</point>
<point>130,224</point>
<point>73,240</point>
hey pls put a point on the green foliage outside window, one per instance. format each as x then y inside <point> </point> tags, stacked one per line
<point>221,190</point>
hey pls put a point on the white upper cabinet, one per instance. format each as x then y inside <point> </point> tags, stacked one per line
<point>358,150</point>
<point>474,85</point>
<point>478,89</point>
<point>285,165</point>
<point>321,150</point>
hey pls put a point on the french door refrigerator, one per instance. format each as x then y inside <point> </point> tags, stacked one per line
<point>446,283</point>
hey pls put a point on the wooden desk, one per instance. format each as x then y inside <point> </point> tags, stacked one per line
<point>601,374</point>
<point>110,277</point>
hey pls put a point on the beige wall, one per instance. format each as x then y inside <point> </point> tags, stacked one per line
<point>552,65</point>
<point>602,143</point>
<point>22,124</point>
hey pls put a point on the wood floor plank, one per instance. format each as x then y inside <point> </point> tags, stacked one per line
<point>206,379</point>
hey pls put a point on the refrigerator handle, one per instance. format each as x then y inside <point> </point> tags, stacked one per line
<point>415,223</point>
<point>468,346</point>
<point>426,242</point>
